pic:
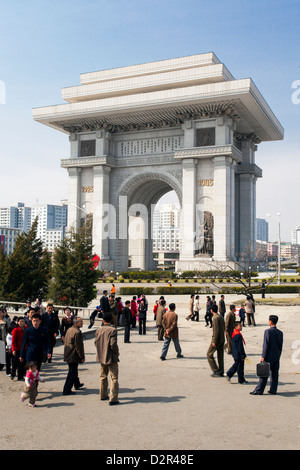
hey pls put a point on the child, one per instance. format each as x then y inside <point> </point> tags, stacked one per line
<point>242,314</point>
<point>238,353</point>
<point>32,378</point>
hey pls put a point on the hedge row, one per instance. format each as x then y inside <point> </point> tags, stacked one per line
<point>210,274</point>
<point>138,290</point>
<point>269,290</point>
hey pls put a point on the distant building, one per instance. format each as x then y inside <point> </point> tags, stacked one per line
<point>16,216</point>
<point>296,236</point>
<point>8,239</point>
<point>289,250</point>
<point>166,235</point>
<point>262,230</point>
<point>52,222</point>
<point>272,250</point>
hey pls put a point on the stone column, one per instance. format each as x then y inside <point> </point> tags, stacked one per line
<point>247,213</point>
<point>103,218</point>
<point>74,198</point>
<point>224,208</point>
<point>188,219</point>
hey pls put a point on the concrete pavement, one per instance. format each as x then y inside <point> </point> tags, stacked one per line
<point>169,405</point>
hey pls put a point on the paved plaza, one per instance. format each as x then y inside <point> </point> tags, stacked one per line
<point>170,405</point>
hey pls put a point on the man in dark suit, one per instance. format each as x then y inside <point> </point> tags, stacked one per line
<point>104,302</point>
<point>36,343</point>
<point>272,348</point>
<point>51,322</point>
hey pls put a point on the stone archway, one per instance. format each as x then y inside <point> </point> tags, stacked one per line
<point>137,198</point>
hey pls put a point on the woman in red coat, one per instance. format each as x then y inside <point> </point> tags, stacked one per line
<point>17,337</point>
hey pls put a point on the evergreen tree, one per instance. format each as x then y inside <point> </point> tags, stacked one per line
<point>25,272</point>
<point>73,276</point>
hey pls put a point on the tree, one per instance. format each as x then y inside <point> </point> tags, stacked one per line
<point>25,272</point>
<point>73,273</point>
<point>239,271</point>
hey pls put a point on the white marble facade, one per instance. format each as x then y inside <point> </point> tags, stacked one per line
<point>138,132</point>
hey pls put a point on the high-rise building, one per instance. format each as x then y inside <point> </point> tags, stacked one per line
<point>52,222</point>
<point>296,236</point>
<point>16,216</point>
<point>262,230</point>
<point>166,234</point>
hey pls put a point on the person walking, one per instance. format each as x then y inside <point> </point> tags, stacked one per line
<point>134,311</point>
<point>126,316</point>
<point>36,345</point>
<point>263,290</point>
<point>242,314</point>
<point>161,310</point>
<point>104,302</point>
<point>16,344</point>
<point>196,308</point>
<point>66,323</point>
<point>170,325</point>
<point>222,306</point>
<point>239,355</point>
<point>113,309</point>
<point>142,311</point>
<point>93,315</point>
<point>50,320</point>
<point>217,343</point>
<point>107,354</point>
<point>229,328</point>
<point>271,352</point>
<point>73,356</point>
<point>249,309</point>
<point>32,379</point>
<point>208,315</point>
<point>191,304</point>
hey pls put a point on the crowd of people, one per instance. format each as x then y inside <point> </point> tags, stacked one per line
<point>30,339</point>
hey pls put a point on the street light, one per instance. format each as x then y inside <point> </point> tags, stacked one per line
<point>279,246</point>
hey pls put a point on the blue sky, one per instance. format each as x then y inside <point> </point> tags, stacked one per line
<point>45,45</point>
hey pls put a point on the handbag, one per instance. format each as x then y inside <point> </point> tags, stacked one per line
<point>263,369</point>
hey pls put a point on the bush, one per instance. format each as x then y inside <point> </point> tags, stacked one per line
<point>269,290</point>
<point>138,290</point>
<point>165,290</point>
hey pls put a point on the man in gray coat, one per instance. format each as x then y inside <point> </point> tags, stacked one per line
<point>106,343</point>
<point>73,355</point>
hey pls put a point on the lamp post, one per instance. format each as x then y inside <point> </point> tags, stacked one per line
<point>279,246</point>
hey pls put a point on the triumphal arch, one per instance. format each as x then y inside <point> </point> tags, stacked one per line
<point>140,131</point>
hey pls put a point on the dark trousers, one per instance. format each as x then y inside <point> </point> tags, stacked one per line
<point>133,322</point>
<point>72,377</point>
<point>274,369</point>
<point>17,365</point>
<point>208,318</point>
<point>126,333</point>
<point>195,316</point>
<point>52,344</point>
<point>142,326</point>
<point>8,356</point>
<point>220,357</point>
<point>238,367</point>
